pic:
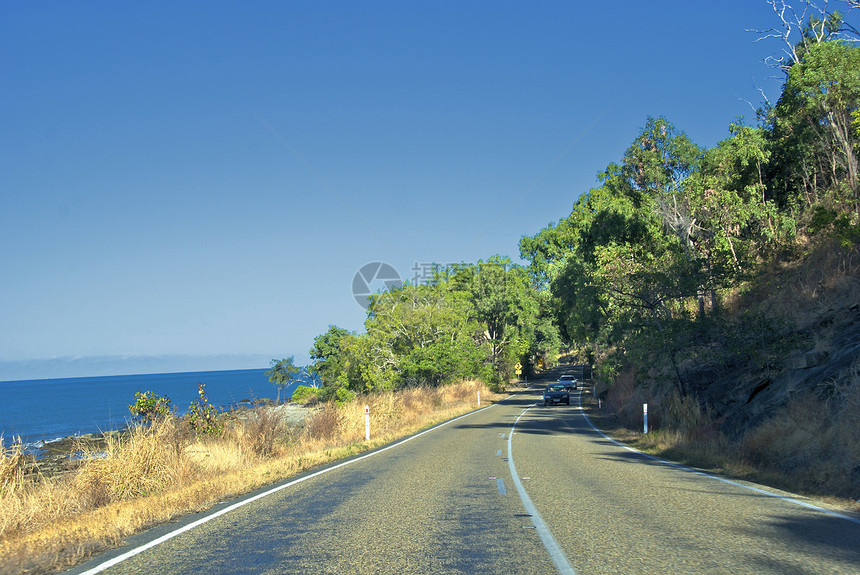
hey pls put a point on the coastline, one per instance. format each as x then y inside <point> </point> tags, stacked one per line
<point>41,412</point>
<point>63,455</point>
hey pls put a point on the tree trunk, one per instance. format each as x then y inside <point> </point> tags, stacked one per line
<point>679,381</point>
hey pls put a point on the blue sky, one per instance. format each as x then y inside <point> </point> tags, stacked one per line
<point>198,183</point>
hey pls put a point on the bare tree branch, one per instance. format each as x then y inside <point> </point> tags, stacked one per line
<point>799,31</point>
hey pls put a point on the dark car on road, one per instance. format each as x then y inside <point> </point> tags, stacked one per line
<point>569,382</point>
<point>555,393</point>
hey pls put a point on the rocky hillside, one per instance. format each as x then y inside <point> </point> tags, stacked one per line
<point>826,374</point>
<point>809,346</point>
<point>781,388</point>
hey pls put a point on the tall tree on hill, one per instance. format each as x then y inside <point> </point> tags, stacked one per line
<point>813,124</point>
<point>738,222</point>
<point>815,156</point>
<point>802,25</point>
<point>632,260</point>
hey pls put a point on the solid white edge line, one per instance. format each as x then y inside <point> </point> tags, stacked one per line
<point>717,477</point>
<point>550,544</point>
<point>166,537</point>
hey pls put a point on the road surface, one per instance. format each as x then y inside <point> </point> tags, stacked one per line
<point>514,488</point>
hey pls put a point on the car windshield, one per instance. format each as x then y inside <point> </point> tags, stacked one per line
<point>555,388</point>
<point>566,378</point>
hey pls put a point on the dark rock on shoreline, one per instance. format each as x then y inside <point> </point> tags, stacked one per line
<point>64,455</point>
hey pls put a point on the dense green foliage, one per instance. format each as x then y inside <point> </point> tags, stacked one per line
<point>643,262</point>
<point>641,269</point>
<point>304,394</point>
<point>470,321</point>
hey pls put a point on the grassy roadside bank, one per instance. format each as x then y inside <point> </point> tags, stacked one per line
<point>701,447</point>
<point>155,474</point>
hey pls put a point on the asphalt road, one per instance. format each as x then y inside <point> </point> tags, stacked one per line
<point>446,502</point>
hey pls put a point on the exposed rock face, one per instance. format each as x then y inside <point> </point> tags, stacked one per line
<point>742,402</point>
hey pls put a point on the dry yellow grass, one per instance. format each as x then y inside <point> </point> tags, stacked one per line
<point>11,467</point>
<point>155,474</point>
<point>823,283</point>
<point>812,442</point>
<point>808,447</point>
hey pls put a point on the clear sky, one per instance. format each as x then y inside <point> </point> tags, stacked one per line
<point>195,184</point>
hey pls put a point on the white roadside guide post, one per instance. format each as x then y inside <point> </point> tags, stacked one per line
<point>367,423</point>
<point>645,413</point>
<point>479,399</point>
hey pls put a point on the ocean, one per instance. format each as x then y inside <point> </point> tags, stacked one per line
<point>44,410</point>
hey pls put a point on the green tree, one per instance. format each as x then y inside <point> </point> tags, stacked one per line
<point>328,354</point>
<point>739,223</point>
<point>506,309</point>
<point>657,162</point>
<point>281,374</point>
<point>626,258</point>
<point>442,362</point>
<point>634,254</point>
<point>813,129</point>
<point>497,303</point>
<point>470,321</point>
<point>549,249</point>
<point>545,337</point>
<point>414,324</point>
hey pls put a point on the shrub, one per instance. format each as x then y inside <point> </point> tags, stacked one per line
<point>495,383</point>
<point>343,396</point>
<point>463,392</point>
<point>202,415</point>
<point>144,461</point>
<point>305,395</point>
<point>684,414</point>
<point>625,398</point>
<point>263,434</point>
<point>340,395</point>
<point>149,406</point>
<point>324,423</point>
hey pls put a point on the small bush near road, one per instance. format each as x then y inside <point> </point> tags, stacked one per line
<point>149,406</point>
<point>203,416</point>
<point>305,395</point>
